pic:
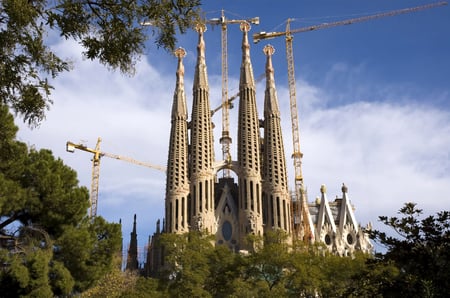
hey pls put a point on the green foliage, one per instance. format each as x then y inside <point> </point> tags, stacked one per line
<point>23,56</point>
<point>113,284</point>
<point>421,251</point>
<point>194,268</point>
<point>61,280</point>
<point>375,279</point>
<point>337,274</point>
<point>27,268</point>
<point>87,250</point>
<point>186,264</point>
<point>145,288</point>
<point>109,31</point>
<point>47,245</point>
<point>225,268</point>
<point>306,273</point>
<point>271,262</point>
<point>125,285</point>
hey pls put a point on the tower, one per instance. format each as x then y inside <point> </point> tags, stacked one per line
<point>259,201</point>
<point>276,199</point>
<point>336,226</point>
<point>250,209</point>
<point>132,258</point>
<point>201,152</point>
<point>177,183</point>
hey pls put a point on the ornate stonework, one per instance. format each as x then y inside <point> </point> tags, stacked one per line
<point>259,201</point>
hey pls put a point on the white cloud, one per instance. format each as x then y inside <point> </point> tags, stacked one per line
<point>386,154</point>
<point>130,114</point>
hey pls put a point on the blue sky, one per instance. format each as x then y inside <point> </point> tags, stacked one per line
<point>373,98</point>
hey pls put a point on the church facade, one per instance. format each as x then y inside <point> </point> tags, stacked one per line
<point>259,200</point>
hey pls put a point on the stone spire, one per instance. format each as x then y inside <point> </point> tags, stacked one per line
<point>276,202</point>
<point>250,216</point>
<point>346,215</point>
<point>120,252</point>
<point>202,150</point>
<point>132,259</point>
<point>177,184</point>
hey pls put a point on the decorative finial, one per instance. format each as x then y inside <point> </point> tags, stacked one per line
<point>180,53</point>
<point>344,188</point>
<point>200,28</point>
<point>323,188</point>
<point>269,50</point>
<point>245,26</point>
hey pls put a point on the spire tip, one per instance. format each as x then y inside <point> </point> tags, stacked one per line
<point>180,53</point>
<point>269,50</point>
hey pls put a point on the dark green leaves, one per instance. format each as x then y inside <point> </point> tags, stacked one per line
<point>48,246</point>
<point>109,30</point>
<point>420,249</point>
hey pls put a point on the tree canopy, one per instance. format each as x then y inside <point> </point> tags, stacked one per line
<point>109,30</point>
<point>415,264</point>
<point>420,250</point>
<point>48,246</point>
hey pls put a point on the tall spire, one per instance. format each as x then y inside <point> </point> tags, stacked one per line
<point>179,108</point>
<point>177,185</point>
<point>202,150</point>
<point>132,259</point>
<point>250,215</point>
<point>276,201</point>
<point>246,78</point>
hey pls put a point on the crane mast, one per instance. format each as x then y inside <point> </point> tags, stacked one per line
<point>95,179</point>
<point>225,140</point>
<point>302,222</point>
<point>97,154</point>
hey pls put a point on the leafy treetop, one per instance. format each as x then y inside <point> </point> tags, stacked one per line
<point>48,246</point>
<point>109,30</point>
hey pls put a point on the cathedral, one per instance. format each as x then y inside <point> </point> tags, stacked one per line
<point>260,200</point>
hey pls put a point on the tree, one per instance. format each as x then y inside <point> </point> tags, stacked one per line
<point>88,250</point>
<point>225,269</point>
<point>375,279</point>
<point>145,287</point>
<point>48,246</point>
<point>186,266</point>
<point>270,265</point>
<point>337,273</point>
<point>308,269</point>
<point>109,30</point>
<point>26,269</point>
<point>420,250</point>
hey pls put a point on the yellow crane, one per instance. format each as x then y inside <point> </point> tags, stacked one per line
<point>93,197</point>
<point>302,222</point>
<point>225,140</point>
<point>229,102</point>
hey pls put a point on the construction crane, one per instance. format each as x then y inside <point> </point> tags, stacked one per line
<point>225,140</point>
<point>229,102</point>
<point>93,197</point>
<point>302,222</point>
